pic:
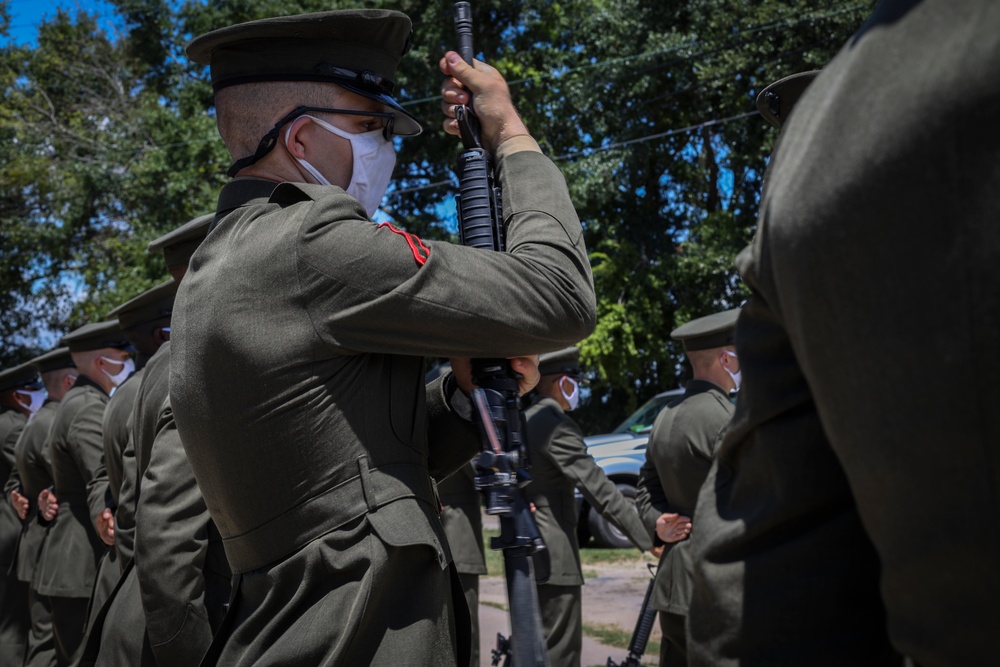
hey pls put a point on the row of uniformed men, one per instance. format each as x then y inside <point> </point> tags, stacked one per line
<point>69,533</point>
<point>84,430</point>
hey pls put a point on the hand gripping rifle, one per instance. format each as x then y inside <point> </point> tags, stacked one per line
<point>501,467</point>
<point>643,628</point>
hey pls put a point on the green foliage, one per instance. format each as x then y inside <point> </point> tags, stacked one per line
<point>647,108</point>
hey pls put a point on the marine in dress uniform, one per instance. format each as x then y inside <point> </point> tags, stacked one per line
<point>177,247</point>
<point>16,405</point>
<point>68,564</point>
<point>297,378</point>
<point>559,464</point>
<point>869,359</point>
<point>173,596</point>
<point>680,452</point>
<point>32,475</point>
<point>145,323</point>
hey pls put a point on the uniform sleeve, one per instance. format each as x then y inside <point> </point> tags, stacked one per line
<point>650,499</point>
<point>98,491</point>
<point>13,481</point>
<point>88,438</point>
<point>376,289</point>
<point>567,449</point>
<point>451,440</point>
<point>10,445</point>
<point>171,544</point>
<point>125,516</point>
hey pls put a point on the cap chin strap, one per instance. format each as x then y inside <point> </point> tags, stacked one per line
<point>266,144</point>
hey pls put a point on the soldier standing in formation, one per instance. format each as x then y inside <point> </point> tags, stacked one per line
<point>145,323</point>
<point>31,476</point>
<point>680,452</point>
<point>868,347</point>
<point>68,564</point>
<point>296,373</point>
<point>174,592</point>
<point>177,247</point>
<point>21,395</point>
<point>559,464</point>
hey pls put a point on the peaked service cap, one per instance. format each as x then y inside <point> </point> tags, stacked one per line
<point>153,304</point>
<point>775,102</point>
<point>179,244</point>
<point>24,376</point>
<point>561,362</point>
<point>357,49</point>
<point>95,336</point>
<point>53,360</point>
<point>705,333</point>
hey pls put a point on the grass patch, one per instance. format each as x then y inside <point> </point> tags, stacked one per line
<point>612,635</point>
<point>494,559</point>
<point>606,556</point>
<point>496,605</point>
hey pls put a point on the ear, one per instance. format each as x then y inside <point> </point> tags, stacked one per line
<point>22,400</point>
<point>297,139</point>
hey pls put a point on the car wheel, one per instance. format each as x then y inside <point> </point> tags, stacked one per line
<point>605,533</point>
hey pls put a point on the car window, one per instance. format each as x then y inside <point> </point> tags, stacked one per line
<point>641,421</point>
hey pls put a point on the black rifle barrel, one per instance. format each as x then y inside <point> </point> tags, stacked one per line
<point>463,30</point>
<point>501,466</point>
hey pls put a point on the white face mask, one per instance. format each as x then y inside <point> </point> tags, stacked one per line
<point>127,367</point>
<point>573,398</point>
<point>374,160</point>
<point>738,375</point>
<point>37,397</point>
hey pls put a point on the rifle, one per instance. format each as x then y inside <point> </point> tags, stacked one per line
<point>502,465</point>
<point>643,628</point>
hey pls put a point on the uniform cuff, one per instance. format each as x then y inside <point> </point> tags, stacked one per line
<point>516,144</point>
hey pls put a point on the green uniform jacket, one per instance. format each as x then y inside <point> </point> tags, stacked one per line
<point>142,427</point>
<point>176,592</point>
<point>14,621</point>
<point>462,517</point>
<point>184,577</point>
<point>868,350</point>
<point>560,463</point>
<point>297,388</point>
<point>679,455</point>
<point>103,490</point>
<point>11,424</point>
<point>68,564</point>
<point>33,474</point>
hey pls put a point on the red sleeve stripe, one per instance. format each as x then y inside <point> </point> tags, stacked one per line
<point>420,251</point>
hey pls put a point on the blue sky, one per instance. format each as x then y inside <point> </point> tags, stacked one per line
<point>26,15</point>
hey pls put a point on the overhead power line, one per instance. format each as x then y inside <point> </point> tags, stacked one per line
<point>730,43</point>
<point>601,149</point>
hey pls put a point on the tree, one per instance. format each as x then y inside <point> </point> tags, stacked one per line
<point>647,107</point>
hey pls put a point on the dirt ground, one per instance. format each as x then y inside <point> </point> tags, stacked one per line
<point>612,596</point>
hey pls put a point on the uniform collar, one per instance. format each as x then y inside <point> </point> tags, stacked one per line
<point>699,386</point>
<point>241,192</point>
<point>84,381</point>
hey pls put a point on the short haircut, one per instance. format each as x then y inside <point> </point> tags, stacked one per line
<point>247,112</point>
<point>702,360</point>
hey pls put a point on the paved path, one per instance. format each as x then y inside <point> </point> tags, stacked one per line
<point>613,597</point>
